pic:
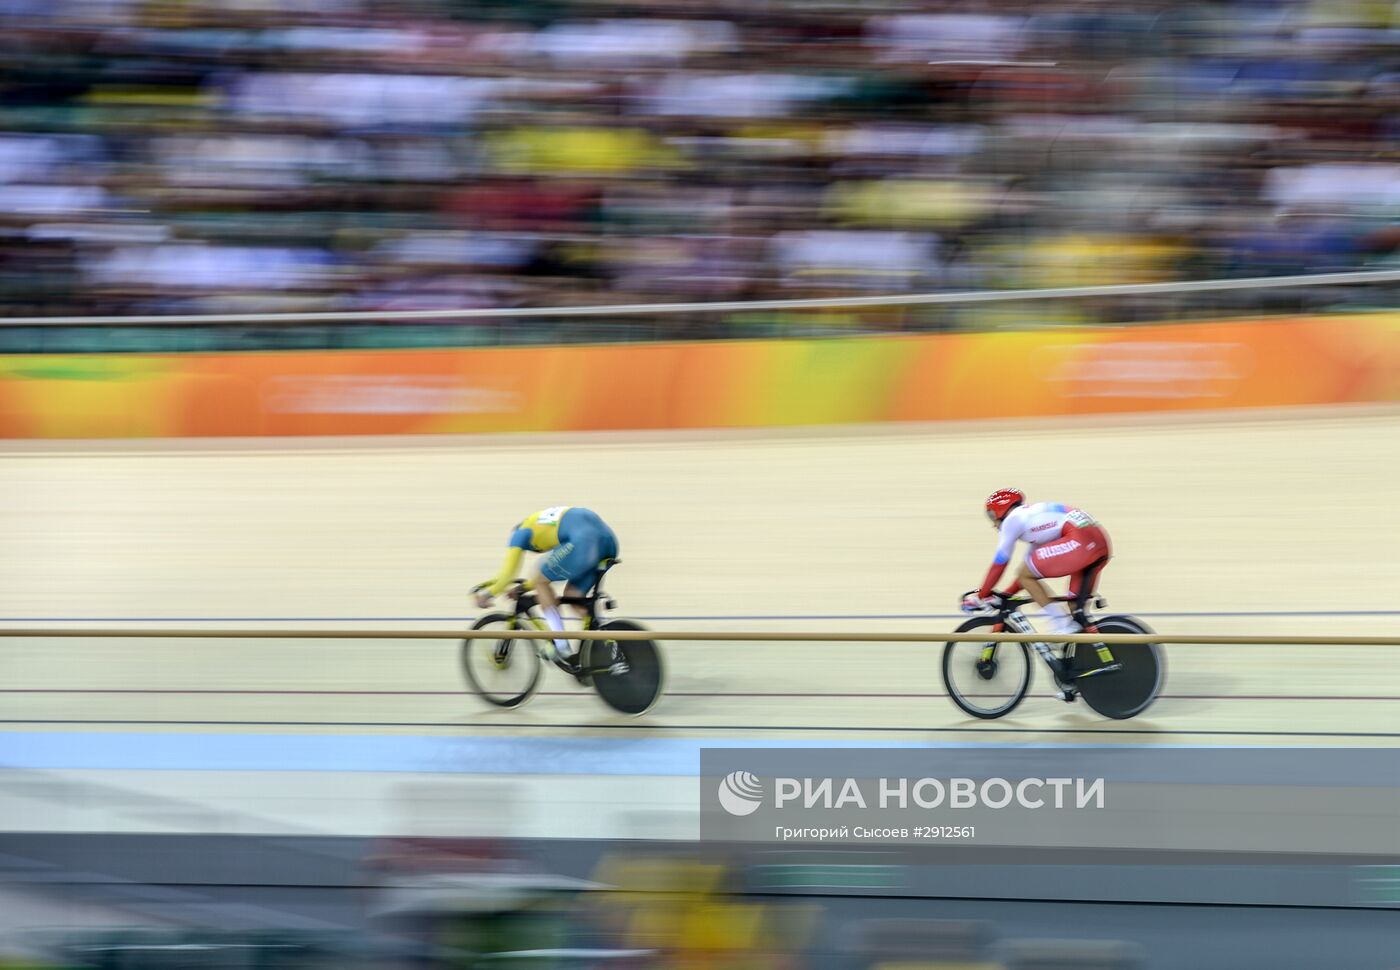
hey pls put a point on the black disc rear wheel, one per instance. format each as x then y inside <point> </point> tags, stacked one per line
<point>1120,694</point>
<point>627,674</point>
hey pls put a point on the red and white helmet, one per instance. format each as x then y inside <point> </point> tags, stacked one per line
<point>1002,501</point>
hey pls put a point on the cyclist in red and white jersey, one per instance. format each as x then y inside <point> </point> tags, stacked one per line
<point>1063,540</point>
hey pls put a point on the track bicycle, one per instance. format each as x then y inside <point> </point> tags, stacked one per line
<point>1119,680</point>
<point>627,674</point>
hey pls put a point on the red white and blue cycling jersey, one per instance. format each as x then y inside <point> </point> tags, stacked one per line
<point>1063,541</point>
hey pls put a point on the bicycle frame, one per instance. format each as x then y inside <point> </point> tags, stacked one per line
<point>526,601</point>
<point>1009,615</point>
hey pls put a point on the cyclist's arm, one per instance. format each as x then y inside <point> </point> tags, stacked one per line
<point>1006,544</point>
<point>519,542</point>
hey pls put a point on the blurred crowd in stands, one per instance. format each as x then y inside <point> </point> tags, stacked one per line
<point>288,155</point>
<point>447,906</point>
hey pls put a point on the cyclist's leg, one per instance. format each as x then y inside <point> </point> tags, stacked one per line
<point>1083,583</point>
<point>1098,550</point>
<point>575,563</point>
<point>1030,581</point>
<point>1056,615</point>
<point>541,583</point>
<point>1070,555</point>
<point>572,591</point>
<point>1031,576</point>
<point>593,546</point>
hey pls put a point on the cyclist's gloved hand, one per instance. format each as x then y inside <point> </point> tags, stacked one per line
<point>972,603</point>
<point>483,597</point>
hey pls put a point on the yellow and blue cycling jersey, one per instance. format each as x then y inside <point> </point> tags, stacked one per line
<point>578,542</point>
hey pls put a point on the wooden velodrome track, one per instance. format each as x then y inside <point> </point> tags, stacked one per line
<point>1271,525</point>
<point>1261,524</point>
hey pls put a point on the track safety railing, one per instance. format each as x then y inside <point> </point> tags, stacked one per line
<point>669,636</point>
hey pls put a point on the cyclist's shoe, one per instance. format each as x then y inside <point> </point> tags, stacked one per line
<point>615,660</point>
<point>1063,671</point>
<point>572,666</point>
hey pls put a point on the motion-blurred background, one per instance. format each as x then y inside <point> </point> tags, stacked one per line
<point>185,157</point>
<point>225,804</point>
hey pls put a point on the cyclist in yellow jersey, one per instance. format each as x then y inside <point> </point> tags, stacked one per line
<point>577,541</point>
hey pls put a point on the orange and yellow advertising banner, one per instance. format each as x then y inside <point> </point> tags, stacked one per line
<point>723,384</point>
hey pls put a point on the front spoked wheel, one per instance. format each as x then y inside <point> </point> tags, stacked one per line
<point>986,680</point>
<point>505,673</point>
<point>627,674</point>
<point>1120,680</point>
